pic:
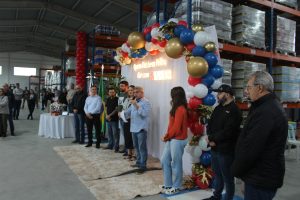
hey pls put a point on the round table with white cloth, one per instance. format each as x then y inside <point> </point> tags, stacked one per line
<point>56,126</point>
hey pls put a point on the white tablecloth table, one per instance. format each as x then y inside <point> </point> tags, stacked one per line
<point>56,126</point>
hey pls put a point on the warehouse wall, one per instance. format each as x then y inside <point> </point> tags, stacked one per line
<point>22,59</point>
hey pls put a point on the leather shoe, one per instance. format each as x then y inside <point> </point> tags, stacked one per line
<point>98,146</point>
<point>141,171</point>
<point>88,145</point>
<point>135,166</point>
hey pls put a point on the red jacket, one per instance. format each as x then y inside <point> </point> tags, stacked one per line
<point>178,125</point>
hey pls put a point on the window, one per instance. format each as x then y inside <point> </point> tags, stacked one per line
<point>24,71</point>
<point>0,70</point>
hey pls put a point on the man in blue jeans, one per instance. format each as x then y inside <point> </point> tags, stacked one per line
<point>222,130</point>
<point>139,114</point>
<point>78,102</point>
<point>112,119</point>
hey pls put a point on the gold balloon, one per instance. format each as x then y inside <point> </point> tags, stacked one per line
<point>197,28</point>
<point>210,46</point>
<point>174,48</point>
<point>136,40</point>
<point>197,67</point>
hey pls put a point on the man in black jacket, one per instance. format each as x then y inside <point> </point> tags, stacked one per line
<point>223,129</point>
<point>11,102</point>
<point>259,156</point>
<point>79,115</point>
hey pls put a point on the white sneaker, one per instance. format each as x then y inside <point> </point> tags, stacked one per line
<point>172,191</point>
<point>163,188</point>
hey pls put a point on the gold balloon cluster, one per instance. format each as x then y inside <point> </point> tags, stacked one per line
<point>136,40</point>
<point>197,67</point>
<point>174,48</point>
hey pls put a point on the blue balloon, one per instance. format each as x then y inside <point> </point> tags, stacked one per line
<point>217,71</point>
<point>168,36</point>
<point>178,29</point>
<point>209,100</point>
<point>205,158</point>
<point>148,37</point>
<point>134,55</point>
<point>211,59</point>
<point>198,51</point>
<point>143,51</point>
<point>208,80</point>
<point>187,36</point>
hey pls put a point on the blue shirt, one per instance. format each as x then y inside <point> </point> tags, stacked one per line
<point>93,105</point>
<point>139,118</point>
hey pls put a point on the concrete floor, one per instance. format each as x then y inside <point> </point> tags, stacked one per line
<point>31,170</point>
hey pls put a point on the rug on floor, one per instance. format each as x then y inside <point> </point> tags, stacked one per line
<point>101,171</point>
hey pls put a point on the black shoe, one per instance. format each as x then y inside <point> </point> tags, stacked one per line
<point>88,145</point>
<point>141,171</point>
<point>75,141</point>
<point>98,146</point>
<point>123,151</point>
<point>211,198</point>
<point>12,134</point>
<point>117,151</point>
<point>28,117</point>
<point>135,166</point>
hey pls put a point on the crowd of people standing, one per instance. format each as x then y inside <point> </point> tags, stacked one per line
<point>254,153</point>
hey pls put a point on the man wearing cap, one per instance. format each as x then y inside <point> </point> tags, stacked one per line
<point>223,130</point>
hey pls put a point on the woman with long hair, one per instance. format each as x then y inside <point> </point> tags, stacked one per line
<point>31,103</point>
<point>175,140</point>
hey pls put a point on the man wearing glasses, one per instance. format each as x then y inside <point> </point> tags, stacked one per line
<point>259,154</point>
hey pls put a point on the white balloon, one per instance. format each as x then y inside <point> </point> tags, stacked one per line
<point>173,20</point>
<point>200,90</point>
<point>217,83</point>
<point>189,94</point>
<point>188,148</point>
<point>203,143</point>
<point>125,48</point>
<point>149,46</point>
<point>117,58</point>
<point>155,33</point>
<point>201,38</point>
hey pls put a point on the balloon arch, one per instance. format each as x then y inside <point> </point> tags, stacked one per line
<point>176,40</point>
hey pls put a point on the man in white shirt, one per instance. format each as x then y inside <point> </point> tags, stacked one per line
<point>93,109</point>
<point>18,93</point>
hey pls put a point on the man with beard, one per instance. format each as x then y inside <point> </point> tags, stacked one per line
<point>223,130</point>
<point>123,86</point>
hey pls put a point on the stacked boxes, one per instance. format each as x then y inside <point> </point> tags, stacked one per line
<point>249,26</point>
<point>286,35</point>
<point>227,66</point>
<point>103,55</point>
<point>241,71</point>
<point>107,30</point>
<point>290,3</point>
<point>287,83</point>
<point>209,12</point>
